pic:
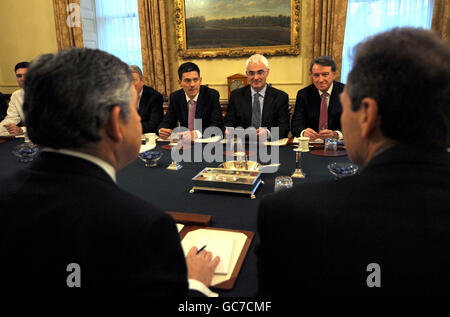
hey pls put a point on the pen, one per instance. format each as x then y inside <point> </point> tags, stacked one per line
<point>201,249</point>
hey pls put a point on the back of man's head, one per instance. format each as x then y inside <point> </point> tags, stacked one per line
<point>407,72</point>
<point>21,65</point>
<point>69,96</point>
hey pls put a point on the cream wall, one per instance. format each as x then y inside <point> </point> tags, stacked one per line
<point>288,73</point>
<point>27,30</point>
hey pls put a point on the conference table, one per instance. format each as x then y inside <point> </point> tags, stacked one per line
<point>170,191</point>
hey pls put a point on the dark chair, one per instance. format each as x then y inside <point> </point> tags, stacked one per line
<point>3,106</point>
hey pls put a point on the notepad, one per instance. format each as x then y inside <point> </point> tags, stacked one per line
<point>221,247</point>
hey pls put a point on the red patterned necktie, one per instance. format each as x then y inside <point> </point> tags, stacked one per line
<point>191,114</point>
<point>323,118</point>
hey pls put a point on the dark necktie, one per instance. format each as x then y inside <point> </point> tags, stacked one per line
<point>191,117</point>
<point>256,111</point>
<point>323,118</point>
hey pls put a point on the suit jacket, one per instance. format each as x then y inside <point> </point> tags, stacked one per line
<point>319,239</point>
<point>208,109</point>
<point>275,111</point>
<point>3,106</point>
<point>66,210</point>
<point>307,109</point>
<point>150,109</point>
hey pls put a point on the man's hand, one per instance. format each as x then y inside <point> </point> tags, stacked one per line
<point>311,134</point>
<point>328,134</point>
<point>164,133</point>
<point>262,134</point>
<point>201,266</point>
<point>13,129</point>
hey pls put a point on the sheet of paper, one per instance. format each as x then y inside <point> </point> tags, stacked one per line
<point>280,142</point>
<point>221,247</point>
<point>180,227</point>
<point>208,140</point>
<point>192,238</point>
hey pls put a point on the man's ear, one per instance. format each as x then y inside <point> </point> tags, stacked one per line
<point>369,116</point>
<point>113,126</point>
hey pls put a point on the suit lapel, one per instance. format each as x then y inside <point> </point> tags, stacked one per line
<point>183,108</point>
<point>200,102</point>
<point>248,101</point>
<point>267,108</point>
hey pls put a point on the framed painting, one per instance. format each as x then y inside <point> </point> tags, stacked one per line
<point>232,28</point>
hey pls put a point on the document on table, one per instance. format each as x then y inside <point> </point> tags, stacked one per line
<point>147,147</point>
<point>280,142</point>
<point>217,241</point>
<point>213,139</point>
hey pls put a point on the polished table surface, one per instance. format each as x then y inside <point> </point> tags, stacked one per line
<point>169,190</point>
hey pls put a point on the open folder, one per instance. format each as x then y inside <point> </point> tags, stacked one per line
<point>230,245</point>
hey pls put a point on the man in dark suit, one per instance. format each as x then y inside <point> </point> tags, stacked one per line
<point>258,105</point>
<point>317,107</point>
<point>193,101</point>
<point>66,227</point>
<point>385,230</point>
<point>150,102</point>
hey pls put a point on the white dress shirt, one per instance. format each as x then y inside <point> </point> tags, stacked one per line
<point>14,113</point>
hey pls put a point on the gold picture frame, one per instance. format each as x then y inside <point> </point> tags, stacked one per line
<point>184,51</point>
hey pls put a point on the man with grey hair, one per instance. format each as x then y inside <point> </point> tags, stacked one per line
<point>258,104</point>
<point>385,230</point>
<point>67,228</point>
<point>317,106</point>
<point>150,102</point>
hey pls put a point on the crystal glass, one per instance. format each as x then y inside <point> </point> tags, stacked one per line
<point>282,182</point>
<point>25,151</point>
<point>330,145</point>
<point>150,158</point>
<point>340,170</point>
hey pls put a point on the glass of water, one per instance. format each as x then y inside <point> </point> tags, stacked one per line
<point>282,182</point>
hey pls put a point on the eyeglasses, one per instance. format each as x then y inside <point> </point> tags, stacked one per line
<point>259,72</point>
<point>20,75</point>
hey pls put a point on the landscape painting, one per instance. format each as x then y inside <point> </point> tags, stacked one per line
<point>210,28</point>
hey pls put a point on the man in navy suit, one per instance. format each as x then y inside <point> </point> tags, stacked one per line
<point>258,104</point>
<point>150,102</point>
<point>317,107</point>
<point>192,101</point>
<point>384,230</point>
<point>66,228</point>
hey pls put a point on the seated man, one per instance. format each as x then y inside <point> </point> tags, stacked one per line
<point>150,102</point>
<point>192,101</point>
<point>317,107</point>
<point>258,105</point>
<point>384,230</point>
<point>67,228</point>
<point>14,115</point>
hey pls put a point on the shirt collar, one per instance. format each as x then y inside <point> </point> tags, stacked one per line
<point>195,98</point>
<point>108,168</point>
<point>262,92</point>
<point>328,91</point>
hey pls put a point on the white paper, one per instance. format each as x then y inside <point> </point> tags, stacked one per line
<point>192,238</point>
<point>221,247</point>
<point>280,142</point>
<point>208,140</point>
